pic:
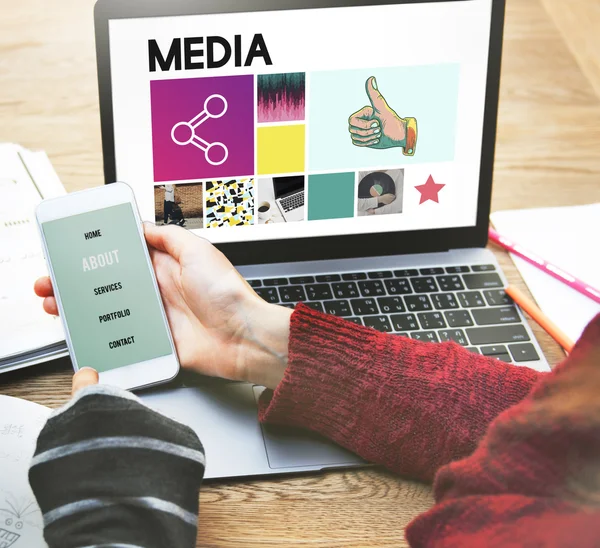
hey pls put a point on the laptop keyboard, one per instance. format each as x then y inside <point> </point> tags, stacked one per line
<point>292,202</point>
<point>464,304</point>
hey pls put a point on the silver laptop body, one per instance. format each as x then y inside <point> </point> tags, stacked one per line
<point>371,268</point>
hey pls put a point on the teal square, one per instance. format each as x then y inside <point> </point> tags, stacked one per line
<point>331,196</point>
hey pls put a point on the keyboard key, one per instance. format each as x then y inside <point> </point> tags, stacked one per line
<point>450,283</point>
<point>471,299</point>
<point>371,289</point>
<point>444,301</point>
<point>302,280</point>
<point>459,318</point>
<point>403,335</point>
<point>315,306</point>
<point>404,322</point>
<point>497,297</point>
<point>345,290</point>
<point>425,336</point>
<point>329,278</point>
<point>389,305</point>
<point>289,305</point>
<point>418,303</point>
<point>254,283</point>
<point>501,358</point>
<point>357,321</point>
<point>380,275</point>
<point>338,308</point>
<point>399,286</point>
<point>292,294</point>
<point>431,320</point>
<point>269,294</point>
<point>483,268</point>
<point>482,281</point>
<point>405,273</point>
<point>523,352</point>
<point>473,349</point>
<point>431,271</point>
<point>496,350</point>
<point>275,281</point>
<point>456,335</point>
<point>356,276</point>
<point>319,292</point>
<point>497,334</point>
<point>491,316</point>
<point>457,269</point>
<point>381,323</point>
<point>362,307</point>
<point>424,285</point>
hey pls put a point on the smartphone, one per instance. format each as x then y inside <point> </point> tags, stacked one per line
<point>105,287</point>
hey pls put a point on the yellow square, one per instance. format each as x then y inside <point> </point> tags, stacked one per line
<point>281,149</point>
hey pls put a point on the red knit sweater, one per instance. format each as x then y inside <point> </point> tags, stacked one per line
<point>515,454</point>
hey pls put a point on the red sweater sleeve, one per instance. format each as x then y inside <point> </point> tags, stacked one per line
<point>531,478</point>
<point>410,406</point>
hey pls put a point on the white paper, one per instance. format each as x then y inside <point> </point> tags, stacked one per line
<point>567,237</point>
<point>21,524</point>
<point>23,323</point>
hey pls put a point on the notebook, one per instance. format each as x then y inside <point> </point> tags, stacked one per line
<point>27,334</point>
<point>21,523</point>
<point>567,237</point>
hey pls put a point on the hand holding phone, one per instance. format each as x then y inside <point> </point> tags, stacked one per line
<point>105,287</point>
<point>220,326</point>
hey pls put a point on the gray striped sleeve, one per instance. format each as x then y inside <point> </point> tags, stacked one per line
<point>109,471</point>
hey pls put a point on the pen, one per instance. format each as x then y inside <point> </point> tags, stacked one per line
<point>545,266</point>
<point>546,323</point>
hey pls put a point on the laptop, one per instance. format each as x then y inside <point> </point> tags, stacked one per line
<point>218,97</point>
<point>289,196</point>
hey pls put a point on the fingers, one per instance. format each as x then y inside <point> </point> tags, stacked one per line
<point>363,119</point>
<point>43,287</point>
<point>84,377</point>
<point>50,306</point>
<point>362,133</point>
<point>365,143</point>
<point>377,100</point>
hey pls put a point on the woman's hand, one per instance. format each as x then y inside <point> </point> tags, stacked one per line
<point>220,326</point>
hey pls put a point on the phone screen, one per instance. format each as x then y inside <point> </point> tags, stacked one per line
<point>111,307</point>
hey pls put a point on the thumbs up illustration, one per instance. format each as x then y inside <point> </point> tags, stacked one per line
<point>378,126</point>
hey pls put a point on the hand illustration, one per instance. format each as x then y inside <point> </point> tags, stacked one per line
<point>378,126</point>
<point>386,199</point>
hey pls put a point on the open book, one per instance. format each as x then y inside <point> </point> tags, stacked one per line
<point>21,524</point>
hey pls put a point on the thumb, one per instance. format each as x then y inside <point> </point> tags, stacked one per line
<point>377,100</point>
<point>84,377</point>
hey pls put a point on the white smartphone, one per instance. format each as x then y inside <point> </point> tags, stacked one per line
<point>105,287</point>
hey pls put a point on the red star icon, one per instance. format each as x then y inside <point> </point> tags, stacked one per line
<point>429,191</point>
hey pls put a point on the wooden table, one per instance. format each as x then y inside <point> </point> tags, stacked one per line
<point>548,155</point>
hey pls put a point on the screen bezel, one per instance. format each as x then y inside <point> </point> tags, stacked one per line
<point>325,247</point>
<point>136,375</point>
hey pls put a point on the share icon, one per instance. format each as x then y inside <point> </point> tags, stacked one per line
<point>184,133</point>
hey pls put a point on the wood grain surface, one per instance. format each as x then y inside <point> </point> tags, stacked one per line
<point>547,155</point>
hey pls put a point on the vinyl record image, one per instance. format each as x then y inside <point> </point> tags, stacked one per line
<point>380,182</point>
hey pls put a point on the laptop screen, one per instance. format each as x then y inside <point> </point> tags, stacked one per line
<point>378,110</point>
<point>283,186</point>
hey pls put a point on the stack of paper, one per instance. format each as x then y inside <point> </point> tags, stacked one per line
<point>27,334</point>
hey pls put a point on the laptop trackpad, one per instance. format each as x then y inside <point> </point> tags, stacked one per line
<point>224,417</point>
<point>295,448</point>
